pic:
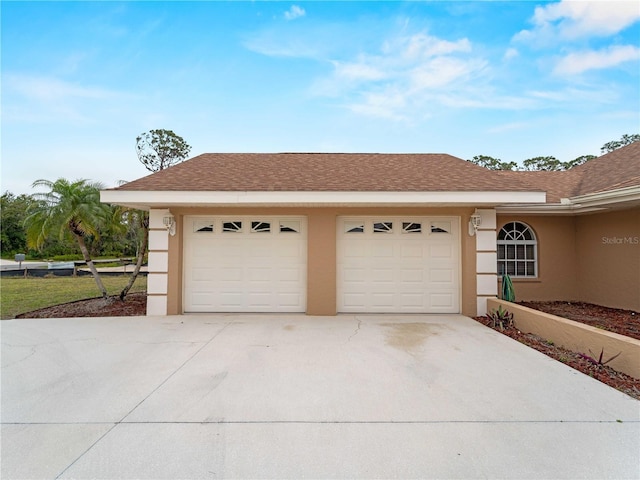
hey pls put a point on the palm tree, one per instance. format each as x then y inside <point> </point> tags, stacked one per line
<point>138,220</point>
<point>69,207</point>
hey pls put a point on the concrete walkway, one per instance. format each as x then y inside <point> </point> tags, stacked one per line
<point>289,396</point>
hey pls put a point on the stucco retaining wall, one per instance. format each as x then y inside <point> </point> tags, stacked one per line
<point>575,336</point>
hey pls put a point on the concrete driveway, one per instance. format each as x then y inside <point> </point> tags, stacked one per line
<point>289,396</point>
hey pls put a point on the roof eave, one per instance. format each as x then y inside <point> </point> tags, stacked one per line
<point>593,202</point>
<point>163,199</point>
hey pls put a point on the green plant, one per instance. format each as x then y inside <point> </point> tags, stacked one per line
<point>508,293</point>
<point>599,362</point>
<point>501,318</point>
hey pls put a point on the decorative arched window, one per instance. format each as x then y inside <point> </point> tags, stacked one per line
<point>517,250</point>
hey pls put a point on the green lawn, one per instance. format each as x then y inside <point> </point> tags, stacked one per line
<point>20,295</point>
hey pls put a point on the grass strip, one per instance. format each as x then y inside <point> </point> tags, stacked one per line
<point>20,295</point>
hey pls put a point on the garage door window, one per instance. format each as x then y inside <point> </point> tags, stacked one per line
<point>440,227</point>
<point>353,227</point>
<point>232,227</point>
<point>382,227</point>
<point>289,226</point>
<point>202,226</point>
<point>411,227</point>
<point>260,227</point>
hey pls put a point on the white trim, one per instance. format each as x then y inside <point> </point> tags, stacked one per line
<point>628,194</point>
<point>157,283</point>
<point>486,285</point>
<point>155,218</point>
<point>158,199</point>
<point>158,240</point>
<point>156,305</point>
<point>592,202</point>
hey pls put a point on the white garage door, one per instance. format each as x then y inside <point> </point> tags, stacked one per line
<point>245,264</point>
<point>399,265</point>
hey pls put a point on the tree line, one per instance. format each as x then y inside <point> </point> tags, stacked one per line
<point>550,163</point>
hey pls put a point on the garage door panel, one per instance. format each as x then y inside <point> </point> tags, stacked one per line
<point>441,275</point>
<point>226,273</point>
<point>202,274</point>
<point>354,275</point>
<point>288,275</point>
<point>409,265</point>
<point>229,299</point>
<point>441,300</point>
<point>413,299</point>
<point>255,299</point>
<point>291,300</point>
<point>382,300</point>
<point>352,250</point>
<point>382,249</point>
<point>385,275</point>
<point>199,299</point>
<point>354,300</point>
<point>411,275</point>
<point>247,270</point>
<point>441,251</point>
<point>256,274</point>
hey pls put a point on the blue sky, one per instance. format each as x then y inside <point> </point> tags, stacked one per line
<point>513,80</point>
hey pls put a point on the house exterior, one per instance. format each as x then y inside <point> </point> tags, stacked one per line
<point>325,233</point>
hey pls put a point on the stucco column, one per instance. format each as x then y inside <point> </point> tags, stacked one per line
<point>321,263</point>
<point>486,260</point>
<point>158,263</point>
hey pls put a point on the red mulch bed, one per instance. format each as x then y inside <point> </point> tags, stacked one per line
<point>134,304</point>
<point>625,322</point>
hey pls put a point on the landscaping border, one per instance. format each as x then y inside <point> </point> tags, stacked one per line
<point>575,336</point>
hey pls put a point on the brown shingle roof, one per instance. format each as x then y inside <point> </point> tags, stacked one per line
<point>363,172</point>
<point>557,184</point>
<point>378,172</point>
<point>618,169</point>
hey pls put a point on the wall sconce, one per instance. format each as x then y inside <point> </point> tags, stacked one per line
<point>170,222</point>
<point>474,222</point>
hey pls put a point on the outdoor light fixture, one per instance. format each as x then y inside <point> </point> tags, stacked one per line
<point>474,222</point>
<point>170,222</point>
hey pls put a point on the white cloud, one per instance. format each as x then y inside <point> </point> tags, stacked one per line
<point>421,45</point>
<point>511,53</point>
<point>357,71</point>
<point>571,19</point>
<point>49,89</point>
<point>294,12</point>
<point>387,104</point>
<point>37,99</point>
<point>579,62</point>
<point>408,72</point>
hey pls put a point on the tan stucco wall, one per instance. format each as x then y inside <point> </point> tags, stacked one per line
<point>321,262</point>
<point>321,250</point>
<point>556,258</point>
<point>576,336</point>
<point>608,249</point>
<point>174,277</point>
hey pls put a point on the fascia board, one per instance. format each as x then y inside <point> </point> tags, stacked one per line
<point>593,202</point>
<point>629,194</point>
<point>151,199</point>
